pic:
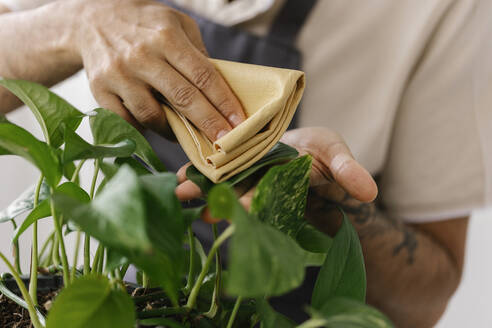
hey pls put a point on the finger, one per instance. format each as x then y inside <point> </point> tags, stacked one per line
<point>208,218</point>
<point>184,97</point>
<point>247,198</point>
<point>113,103</point>
<point>197,69</point>
<point>348,173</point>
<point>192,30</point>
<point>182,172</point>
<point>187,191</point>
<point>144,107</point>
<point>334,158</point>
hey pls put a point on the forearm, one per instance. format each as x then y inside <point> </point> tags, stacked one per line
<point>410,275</point>
<point>37,45</point>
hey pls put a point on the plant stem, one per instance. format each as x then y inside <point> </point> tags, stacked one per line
<point>87,239</point>
<point>55,254</point>
<point>47,242</point>
<point>234,312</point>
<point>123,270</point>
<point>15,250</point>
<point>145,280</point>
<point>76,255</point>
<point>87,254</point>
<point>94,178</point>
<point>198,284</point>
<point>58,231</point>
<point>77,171</point>
<point>191,271</point>
<point>33,283</point>
<point>25,294</point>
<point>100,264</point>
<point>49,256</point>
<point>119,279</point>
<point>214,306</point>
<point>95,261</point>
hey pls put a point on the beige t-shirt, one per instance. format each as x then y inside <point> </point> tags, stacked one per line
<point>407,83</point>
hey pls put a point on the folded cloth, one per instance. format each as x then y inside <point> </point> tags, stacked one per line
<point>269,97</point>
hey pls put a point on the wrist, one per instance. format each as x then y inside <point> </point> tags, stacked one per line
<point>59,28</point>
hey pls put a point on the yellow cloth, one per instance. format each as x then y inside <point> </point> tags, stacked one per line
<point>269,97</point>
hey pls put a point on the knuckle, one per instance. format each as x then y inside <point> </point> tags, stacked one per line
<point>138,51</point>
<point>166,33</point>
<point>113,69</point>
<point>183,96</point>
<point>226,106</point>
<point>210,124</point>
<point>203,77</point>
<point>148,115</point>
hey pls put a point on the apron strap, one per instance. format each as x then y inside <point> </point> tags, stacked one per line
<point>290,19</point>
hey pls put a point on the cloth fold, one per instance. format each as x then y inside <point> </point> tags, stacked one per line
<point>269,97</point>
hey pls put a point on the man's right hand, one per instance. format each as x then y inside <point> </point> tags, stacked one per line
<point>130,48</point>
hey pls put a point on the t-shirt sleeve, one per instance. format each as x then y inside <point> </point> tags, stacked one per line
<point>439,161</point>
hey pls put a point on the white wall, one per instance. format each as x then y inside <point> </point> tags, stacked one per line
<point>468,308</point>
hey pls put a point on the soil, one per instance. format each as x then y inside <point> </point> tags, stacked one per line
<point>15,316</point>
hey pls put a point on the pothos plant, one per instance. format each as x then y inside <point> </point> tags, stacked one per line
<point>137,220</point>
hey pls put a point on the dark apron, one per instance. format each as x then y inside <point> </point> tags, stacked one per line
<point>276,49</point>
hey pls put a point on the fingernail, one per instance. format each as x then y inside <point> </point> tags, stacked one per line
<point>221,134</point>
<point>235,119</point>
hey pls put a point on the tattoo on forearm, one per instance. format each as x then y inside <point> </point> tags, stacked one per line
<point>370,222</point>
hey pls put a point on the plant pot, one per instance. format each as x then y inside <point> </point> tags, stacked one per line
<point>48,284</point>
<point>45,283</point>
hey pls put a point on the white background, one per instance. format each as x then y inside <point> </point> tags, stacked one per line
<point>470,306</point>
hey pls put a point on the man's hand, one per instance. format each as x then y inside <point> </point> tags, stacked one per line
<point>130,48</point>
<point>332,161</point>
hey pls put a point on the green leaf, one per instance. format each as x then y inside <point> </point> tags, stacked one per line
<point>192,214</point>
<point>20,142</point>
<point>343,273</point>
<point>91,302</point>
<point>129,217</point>
<point>109,170</point>
<point>116,216</point>
<point>114,260</point>
<point>313,259</point>
<point>271,318</point>
<point>69,171</point>
<point>280,197</point>
<point>197,177</point>
<point>263,260</point>
<point>78,148</point>
<point>135,164</point>
<point>313,240</point>
<point>43,209</point>
<point>342,312</point>
<point>109,128</point>
<point>49,109</point>
<point>165,225</point>
<point>278,154</point>
<point>24,203</point>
